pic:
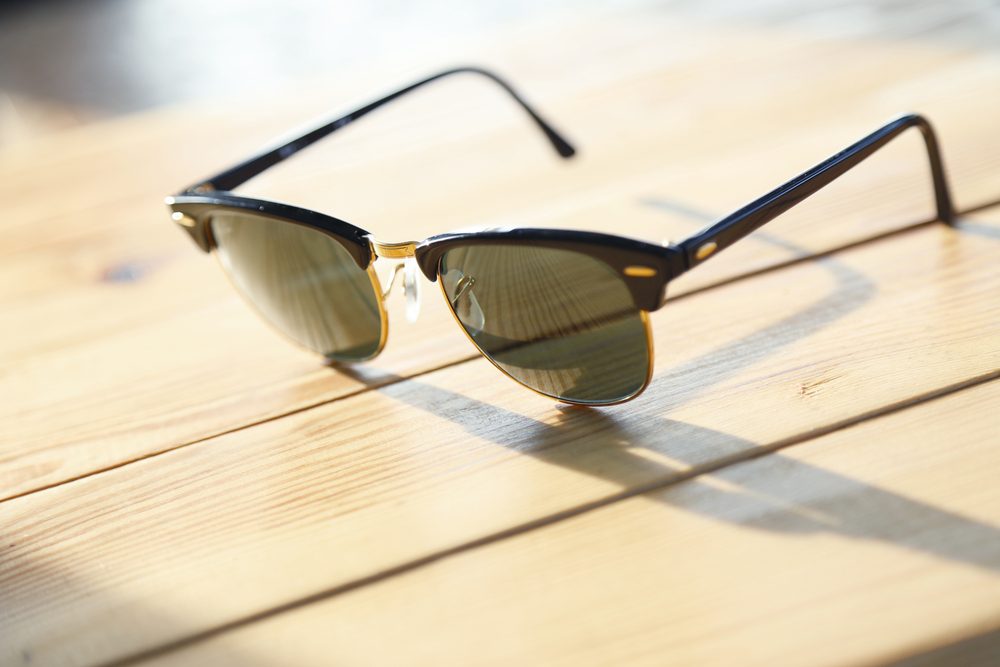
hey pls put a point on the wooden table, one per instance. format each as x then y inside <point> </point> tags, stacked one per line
<point>811,478</point>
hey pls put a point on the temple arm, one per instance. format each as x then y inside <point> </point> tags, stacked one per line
<point>244,171</point>
<point>722,234</point>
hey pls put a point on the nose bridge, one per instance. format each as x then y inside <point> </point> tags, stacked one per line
<point>400,250</point>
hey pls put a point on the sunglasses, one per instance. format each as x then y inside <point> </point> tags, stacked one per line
<point>564,313</point>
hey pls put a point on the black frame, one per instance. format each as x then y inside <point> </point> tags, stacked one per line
<point>647,268</point>
<point>244,171</point>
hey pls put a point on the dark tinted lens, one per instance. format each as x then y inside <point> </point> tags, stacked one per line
<point>303,282</point>
<point>558,321</point>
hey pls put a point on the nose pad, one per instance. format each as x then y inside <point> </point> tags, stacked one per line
<point>411,288</point>
<point>410,272</point>
<point>391,282</point>
<point>459,288</point>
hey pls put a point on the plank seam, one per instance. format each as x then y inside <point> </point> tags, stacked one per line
<point>395,380</point>
<point>551,519</point>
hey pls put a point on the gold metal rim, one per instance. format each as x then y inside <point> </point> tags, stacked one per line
<point>643,315</point>
<point>383,314</point>
<point>405,249</point>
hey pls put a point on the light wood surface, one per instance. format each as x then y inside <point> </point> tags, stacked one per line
<point>872,542</point>
<point>645,169</point>
<point>333,501</point>
<point>176,481</point>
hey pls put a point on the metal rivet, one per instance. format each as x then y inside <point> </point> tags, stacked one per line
<point>182,219</point>
<point>705,250</point>
<point>639,271</point>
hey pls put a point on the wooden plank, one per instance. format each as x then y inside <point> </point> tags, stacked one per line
<point>153,352</point>
<point>165,548</point>
<point>864,546</point>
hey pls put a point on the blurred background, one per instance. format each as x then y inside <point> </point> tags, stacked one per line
<point>68,62</point>
<point>681,110</point>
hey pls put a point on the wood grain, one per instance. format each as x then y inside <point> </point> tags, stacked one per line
<point>807,481</point>
<point>162,549</point>
<point>864,546</point>
<point>152,351</point>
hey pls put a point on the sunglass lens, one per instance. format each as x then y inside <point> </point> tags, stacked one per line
<point>303,282</point>
<point>558,321</point>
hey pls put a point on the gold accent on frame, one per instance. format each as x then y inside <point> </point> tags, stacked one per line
<point>705,250</point>
<point>639,271</point>
<point>399,250</point>
<point>183,220</point>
